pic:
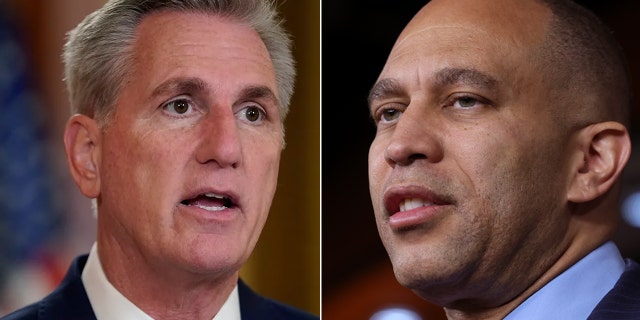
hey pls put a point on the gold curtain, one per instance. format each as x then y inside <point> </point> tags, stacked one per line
<point>286,262</point>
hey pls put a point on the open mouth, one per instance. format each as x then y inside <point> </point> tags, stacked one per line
<point>210,202</point>
<point>404,199</point>
<point>413,203</point>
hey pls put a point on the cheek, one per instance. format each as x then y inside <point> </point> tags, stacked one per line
<point>146,163</point>
<point>126,176</point>
<point>268,168</point>
<point>376,168</point>
<point>262,163</point>
<point>123,158</point>
<point>514,182</point>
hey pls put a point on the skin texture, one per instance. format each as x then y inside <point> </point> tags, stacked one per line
<point>171,259</point>
<point>466,122</point>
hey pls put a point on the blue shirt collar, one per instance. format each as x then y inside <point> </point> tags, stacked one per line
<point>576,292</point>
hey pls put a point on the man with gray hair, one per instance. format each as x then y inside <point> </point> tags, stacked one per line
<point>176,135</point>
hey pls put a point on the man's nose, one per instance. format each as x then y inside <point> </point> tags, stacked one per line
<point>220,142</point>
<point>415,137</point>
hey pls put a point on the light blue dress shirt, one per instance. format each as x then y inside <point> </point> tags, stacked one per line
<point>576,292</point>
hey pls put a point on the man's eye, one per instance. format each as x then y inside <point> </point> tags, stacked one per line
<point>252,113</point>
<point>178,106</point>
<point>389,115</point>
<point>466,102</point>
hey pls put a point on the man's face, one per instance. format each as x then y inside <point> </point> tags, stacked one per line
<point>467,170</point>
<point>189,162</point>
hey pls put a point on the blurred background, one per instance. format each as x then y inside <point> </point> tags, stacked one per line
<point>45,222</point>
<point>357,280</point>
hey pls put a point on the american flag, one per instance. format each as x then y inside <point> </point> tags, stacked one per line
<point>28,215</point>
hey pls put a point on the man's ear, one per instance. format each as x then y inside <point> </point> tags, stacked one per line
<point>603,151</point>
<point>82,138</point>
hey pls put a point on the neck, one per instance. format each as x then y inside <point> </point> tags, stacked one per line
<point>579,245</point>
<point>162,291</point>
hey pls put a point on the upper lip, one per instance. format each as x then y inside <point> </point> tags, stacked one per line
<point>395,195</point>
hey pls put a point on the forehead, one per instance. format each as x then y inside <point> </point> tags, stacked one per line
<point>480,35</point>
<point>174,43</point>
<point>518,20</point>
<point>172,24</point>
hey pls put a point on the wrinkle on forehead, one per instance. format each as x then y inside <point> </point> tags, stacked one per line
<point>524,22</point>
<point>426,32</point>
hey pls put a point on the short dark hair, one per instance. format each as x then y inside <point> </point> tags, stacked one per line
<point>581,55</point>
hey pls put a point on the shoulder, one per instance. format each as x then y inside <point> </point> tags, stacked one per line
<point>68,301</point>
<point>628,286</point>
<point>623,301</point>
<point>254,306</point>
<point>27,313</point>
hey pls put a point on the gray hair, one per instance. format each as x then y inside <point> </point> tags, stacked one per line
<point>98,52</point>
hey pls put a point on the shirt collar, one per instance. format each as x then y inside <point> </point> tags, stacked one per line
<point>576,292</point>
<point>108,303</point>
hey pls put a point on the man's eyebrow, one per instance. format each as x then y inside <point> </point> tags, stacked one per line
<point>180,85</point>
<point>258,92</point>
<point>389,87</point>
<point>195,86</point>
<point>452,76</point>
<point>384,88</point>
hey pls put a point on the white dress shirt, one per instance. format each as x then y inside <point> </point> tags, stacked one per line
<point>109,304</point>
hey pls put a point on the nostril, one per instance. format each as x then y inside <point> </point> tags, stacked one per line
<point>417,156</point>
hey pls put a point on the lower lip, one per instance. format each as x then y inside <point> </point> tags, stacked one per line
<point>227,214</point>
<point>412,218</point>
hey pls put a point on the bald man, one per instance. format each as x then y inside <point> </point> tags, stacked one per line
<point>494,173</point>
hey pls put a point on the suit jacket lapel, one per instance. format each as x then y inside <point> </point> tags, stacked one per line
<point>252,306</point>
<point>623,301</point>
<point>69,300</point>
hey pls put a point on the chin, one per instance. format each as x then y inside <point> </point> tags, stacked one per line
<point>414,272</point>
<point>213,257</point>
<point>214,264</point>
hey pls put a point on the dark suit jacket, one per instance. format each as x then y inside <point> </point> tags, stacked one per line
<point>69,301</point>
<point>623,301</point>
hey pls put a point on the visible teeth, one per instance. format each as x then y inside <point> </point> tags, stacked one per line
<point>213,208</point>
<point>213,195</point>
<point>410,204</point>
